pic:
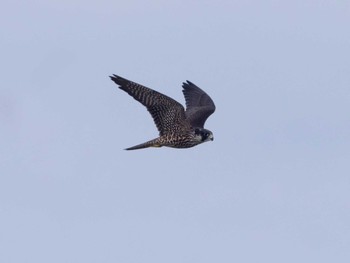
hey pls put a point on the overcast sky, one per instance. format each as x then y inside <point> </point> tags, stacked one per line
<point>274,185</point>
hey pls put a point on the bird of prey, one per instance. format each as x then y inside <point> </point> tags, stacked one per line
<point>177,128</point>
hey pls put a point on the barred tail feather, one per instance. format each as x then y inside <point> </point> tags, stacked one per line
<point>151,143</point>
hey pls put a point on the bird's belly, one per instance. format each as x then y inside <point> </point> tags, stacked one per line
<point>180,141</point>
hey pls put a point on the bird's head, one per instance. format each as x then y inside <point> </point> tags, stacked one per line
<point>204,135</point>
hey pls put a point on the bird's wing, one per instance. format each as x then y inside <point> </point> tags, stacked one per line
<point>199,106</point>
<point>167,113</point>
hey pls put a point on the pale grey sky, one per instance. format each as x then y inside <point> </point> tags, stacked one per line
<point>274,185</point>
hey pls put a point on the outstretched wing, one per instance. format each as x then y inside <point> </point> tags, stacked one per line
<point>199,106</point>
<point>167,113</point>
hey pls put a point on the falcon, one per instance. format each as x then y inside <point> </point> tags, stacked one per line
<point>178,128</point>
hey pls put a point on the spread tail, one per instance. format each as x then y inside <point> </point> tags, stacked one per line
<point>151,143</point>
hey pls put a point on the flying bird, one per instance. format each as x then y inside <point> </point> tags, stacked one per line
<point>178,128</point>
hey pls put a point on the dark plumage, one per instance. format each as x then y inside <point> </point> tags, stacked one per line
<point>177,128</point>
